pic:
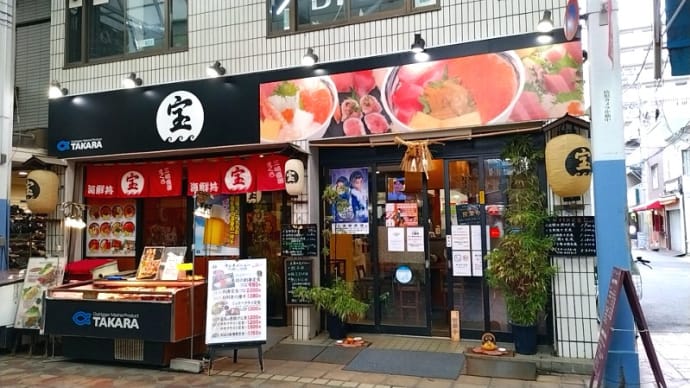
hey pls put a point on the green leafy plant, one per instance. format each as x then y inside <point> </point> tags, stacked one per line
<point>519,266</point>
<point>338,299</point>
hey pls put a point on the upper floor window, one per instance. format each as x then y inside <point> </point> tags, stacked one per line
<point>98,30</point>
<point>285,16</point>
<point>655,176</point>
<point>686,161</point>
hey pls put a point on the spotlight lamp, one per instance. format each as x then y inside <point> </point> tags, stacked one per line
<point>309,59</point>
<point>545,25</point>
<point>418,44</point>
<point>215,70</point>
<point>73,213</point>
<point>131,81</point>
<point>56,91</point>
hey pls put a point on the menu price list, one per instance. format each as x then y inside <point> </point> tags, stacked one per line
<point>298,273</point>
<point>572,236</point>
<point>299,240</point>
<point>236,309</point>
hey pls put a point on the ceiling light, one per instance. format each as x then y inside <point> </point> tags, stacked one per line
<point>546,23</point>
<point>131,81</point>
<point>309,59</point>
<point>418,44</point>
<point>22,173</point>
<point>215,70</point>
<point>421,56</point>
<point>544,38</point>
<point>56,91</point>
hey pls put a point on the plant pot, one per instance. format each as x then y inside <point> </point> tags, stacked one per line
<point>525,338</point>
<point>337,329</point>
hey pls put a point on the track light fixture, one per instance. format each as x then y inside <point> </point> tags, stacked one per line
<point>309,59</point>
<point>546,23</point>
<point>56,91</point>
<point>418,44</point>
<point>131,81</point>
<point>215,70</point>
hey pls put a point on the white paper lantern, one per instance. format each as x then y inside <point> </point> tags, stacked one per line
<point>42,191</point>
<point>568,165</point>
<point>294,177</point>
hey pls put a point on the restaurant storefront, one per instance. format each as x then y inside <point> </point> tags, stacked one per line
<point>412,242</point>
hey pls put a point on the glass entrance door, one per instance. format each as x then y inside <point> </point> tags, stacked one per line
<point>402,268</point>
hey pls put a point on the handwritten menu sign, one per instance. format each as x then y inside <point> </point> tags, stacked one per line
<point>572,236</point>
<point>299,240</point>
<point>298,273</point>
<point>236,303</point>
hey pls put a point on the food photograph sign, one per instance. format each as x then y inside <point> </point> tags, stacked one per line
<point>528,84</point>
<point>41,274</point>
<point>111,226</point>
<point>236,303</point>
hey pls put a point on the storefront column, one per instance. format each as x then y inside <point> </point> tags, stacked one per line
<point>7,8</point>
<point>622,365</point>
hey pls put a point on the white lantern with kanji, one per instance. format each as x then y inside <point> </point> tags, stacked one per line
<point>42,191</point>
<point>294,176</point>
<point>568,165</point>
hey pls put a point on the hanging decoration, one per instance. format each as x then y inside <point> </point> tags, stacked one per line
<point>568,165</point>
<point>42,191</point>
<point>254,197</point>
<point>417,157</point>
<point>294,176</point>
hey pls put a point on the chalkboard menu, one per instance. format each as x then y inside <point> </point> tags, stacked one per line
<point>298,273</point>
<point>572,236</point>
<point>299,240</point>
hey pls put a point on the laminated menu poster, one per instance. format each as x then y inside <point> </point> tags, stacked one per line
<point>111,226</point>
<point>150,263</point>
<point>236,302</point>
<point>41,274</point>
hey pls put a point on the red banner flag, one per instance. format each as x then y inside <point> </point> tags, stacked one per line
<point>100,182</point>
<point>270,172</point>
<point>132,181</point>
<point>238,176</point>
<point>165,179</point>
<point>203,176</point>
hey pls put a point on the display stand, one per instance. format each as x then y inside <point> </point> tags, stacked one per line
<point>236,307</point>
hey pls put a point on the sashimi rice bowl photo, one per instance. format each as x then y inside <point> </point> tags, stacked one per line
<point>296,109</point>
<point>453,93</point>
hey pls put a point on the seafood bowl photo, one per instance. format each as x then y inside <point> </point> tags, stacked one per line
<point>296,109</point>
<point>452,93</point>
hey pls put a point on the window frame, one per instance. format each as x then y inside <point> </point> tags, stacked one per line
<point>408,9</point>
<point>654,174</point>
<point>84,39</point>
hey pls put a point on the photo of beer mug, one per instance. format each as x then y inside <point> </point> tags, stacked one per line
<point>216,227</point>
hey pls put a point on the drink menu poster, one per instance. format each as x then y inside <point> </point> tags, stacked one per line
<point>236,303</point>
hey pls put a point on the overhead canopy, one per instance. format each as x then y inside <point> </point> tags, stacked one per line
<point>655,204</point>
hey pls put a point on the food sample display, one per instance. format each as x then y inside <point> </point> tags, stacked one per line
<point>150,263</point>
<point>147,322</point>
<point>110,228</point>
<point>41,273</point>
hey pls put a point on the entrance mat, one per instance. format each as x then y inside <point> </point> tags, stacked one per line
<point>409,363</point>
<point>293,352</point>
<point>337,355</point>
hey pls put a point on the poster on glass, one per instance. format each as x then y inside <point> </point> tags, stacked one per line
<point>352,185</point>
<point>218,235</point>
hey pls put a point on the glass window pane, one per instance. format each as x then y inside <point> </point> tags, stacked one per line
<point>74,30</point>
<point>279,18</point>
<point>178,23</point>
<point>315,12</point>
<point>145,25</point>
<point>424,3</point>
<point>370,7</point>
<point>106,30</point>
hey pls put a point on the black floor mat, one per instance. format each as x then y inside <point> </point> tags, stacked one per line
<point>293,352</point>
<point>337,355</point>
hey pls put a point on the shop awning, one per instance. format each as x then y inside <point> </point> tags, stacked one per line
<point>655,204</point>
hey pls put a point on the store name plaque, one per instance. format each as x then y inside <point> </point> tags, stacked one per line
<point>572,236</point>
<point>299,240</point>
<point>298,273</point>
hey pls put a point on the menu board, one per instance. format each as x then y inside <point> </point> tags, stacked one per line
<point>299,240</point>
<point>572,236</point>
<point>150,262</point>
<point>110,228</point>
<point>236,302</point>
<point>41,274</point>
<point>298,273</point>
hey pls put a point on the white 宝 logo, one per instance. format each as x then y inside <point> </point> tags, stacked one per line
<point>180,117</point>
<point>238,178</point>
<point>132,183</point>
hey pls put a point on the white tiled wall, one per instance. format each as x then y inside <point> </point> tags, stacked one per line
<point>234,32</point>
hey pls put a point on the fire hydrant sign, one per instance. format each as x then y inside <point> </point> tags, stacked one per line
<point>236,303</point>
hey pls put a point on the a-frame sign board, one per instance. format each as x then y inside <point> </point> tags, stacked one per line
<point>621,278</point>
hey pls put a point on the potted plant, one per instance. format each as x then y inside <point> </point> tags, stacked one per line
<point>339,303</point>
<point>519,266</point>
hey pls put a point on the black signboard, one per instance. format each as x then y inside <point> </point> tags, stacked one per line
<point>468,214</point>
<point>299,240</point>
<point>103,319</point>
<point>621,279</point>
<point>572,236</point>
<point>298,273</point>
